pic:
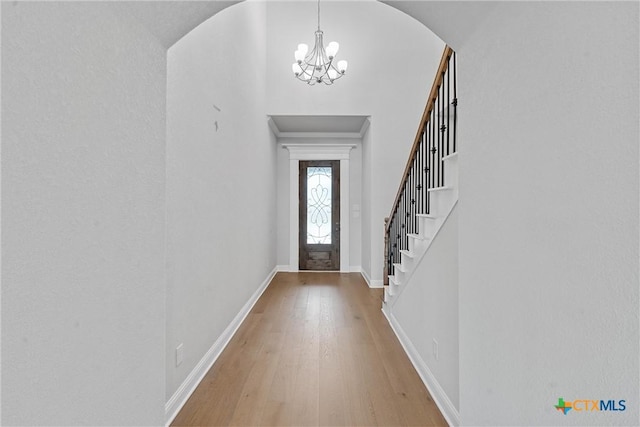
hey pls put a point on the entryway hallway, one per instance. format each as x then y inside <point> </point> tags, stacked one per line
<point>314,350</point>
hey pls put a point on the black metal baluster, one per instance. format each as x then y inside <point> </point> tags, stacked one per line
<point>417,187</point>
<point>447,102</point>
<point>390,247</point>
<point>402,222</point>
<point>455,104</point>
<point>420,177</point>
<point>409,207</point>
<point>442,129</point>
<point>436,168</point>
<point>426,168</point>
<point>412,191</point>
<point>423,169</point>
<point>394,241</point>
<point>409,190</point>
<point>429,155</point>
<point>436,141</point>
<point>407,214</point>
<point>410,197</point>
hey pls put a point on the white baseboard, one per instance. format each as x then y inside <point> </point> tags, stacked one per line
<point>438,394</point>
<point>188,386</point>
<point>376,284</point>
<point>284,268</point>
<point>355,269</point>
<point>371,283</point>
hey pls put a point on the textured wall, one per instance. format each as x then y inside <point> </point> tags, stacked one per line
<point>549,213</point>
<point>83,112</point>
<point>221,181</point>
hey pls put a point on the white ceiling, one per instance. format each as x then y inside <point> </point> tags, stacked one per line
<point>452,21</point>
<point>169,21</point>
<point>319,126</point>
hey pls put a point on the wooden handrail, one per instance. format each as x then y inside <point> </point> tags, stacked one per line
<point>433,96</point>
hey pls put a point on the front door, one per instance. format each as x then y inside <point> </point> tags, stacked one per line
<point>319,215</point>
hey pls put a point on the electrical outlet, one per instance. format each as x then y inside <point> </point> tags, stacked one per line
<point>179,355</point>
<point>435,349</point>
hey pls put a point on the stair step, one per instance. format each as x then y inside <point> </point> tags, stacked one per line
<point>393,279</point>
<point>399,267</point>
<point>418,237</point>
<point>427,216</point>
<point>407,253</point>
<point>432,190</point>
<point>450,156</point>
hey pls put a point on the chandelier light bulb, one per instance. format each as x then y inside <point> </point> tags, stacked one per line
<point>332,49</point>
<point>342,66</point>
<point>297,70</point>
<point>333,74</point>
<point>299,55</point>
<point>303,48</point>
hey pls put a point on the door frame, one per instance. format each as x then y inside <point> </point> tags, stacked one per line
<point>305,249</point>
<point>310,151</point>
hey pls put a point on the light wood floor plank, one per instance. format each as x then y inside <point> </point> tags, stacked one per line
<point>314,351</point>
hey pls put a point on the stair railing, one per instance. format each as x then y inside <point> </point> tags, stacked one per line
<point>435,139</point>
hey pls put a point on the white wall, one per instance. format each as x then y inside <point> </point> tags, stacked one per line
<point>549,213</point>
<point>365,210</point>
<point>427,309</point>
<point>83,121</point>
<point>394,94</point>
<point>283,207</point>
<point>355,198</point>
<point>221,184</point>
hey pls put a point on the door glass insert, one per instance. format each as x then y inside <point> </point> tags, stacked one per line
<point>319,205</point>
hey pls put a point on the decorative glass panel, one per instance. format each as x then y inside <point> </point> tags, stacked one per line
<point>319,205</point>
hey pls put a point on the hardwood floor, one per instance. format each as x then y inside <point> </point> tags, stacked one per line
<point>315,351</point>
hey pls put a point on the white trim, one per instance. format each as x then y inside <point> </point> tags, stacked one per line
<point>319,151</point>
<point>283,268</point>
<point>344,215</point>
<point>371,283</point>
<point>299,152</point>
<point>355,269</point>
<point>317,135</point>
<point>377,284</point>
<point>365,276</point>
<point>188,386</point>
<point>365,127</point>
<point>438,394</point>
<point>294,219</point>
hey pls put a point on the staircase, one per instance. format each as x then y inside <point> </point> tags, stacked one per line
<point>429,187</point>
<point>443,200</point>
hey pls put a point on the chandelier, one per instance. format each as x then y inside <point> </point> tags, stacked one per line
<point>317,66</point>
